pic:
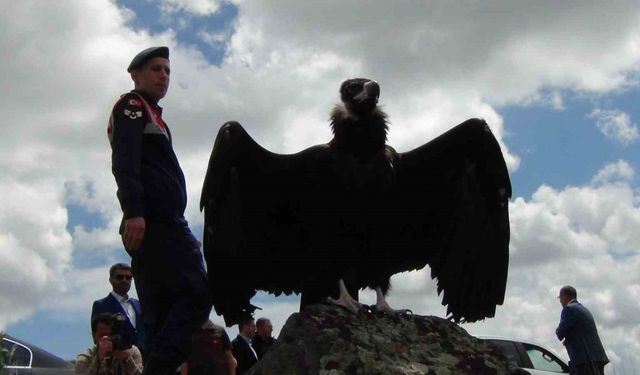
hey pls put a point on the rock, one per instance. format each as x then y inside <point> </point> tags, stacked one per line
<point>329,340</point>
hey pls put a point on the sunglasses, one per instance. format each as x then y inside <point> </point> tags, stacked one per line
<point>122,277</point>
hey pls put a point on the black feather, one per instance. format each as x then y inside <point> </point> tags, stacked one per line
<point>356,209</point>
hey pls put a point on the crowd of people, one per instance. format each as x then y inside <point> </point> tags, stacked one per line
<point>119,338</point>
<point>169,329</point>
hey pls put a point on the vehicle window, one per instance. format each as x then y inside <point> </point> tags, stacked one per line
<point>509,350</point>
<point>17,355</point>
<point>543,359</point>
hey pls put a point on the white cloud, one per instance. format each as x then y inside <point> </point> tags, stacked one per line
<point>35,248</point>
<point>605,216</point>
<point>620,170</point>
<point>583,236</point>
<point>452,46</point>
<point>197,7</point>
<point>616,125</point>
<point>438,63</point>
<point>213,39</point>
<point>54,149</point>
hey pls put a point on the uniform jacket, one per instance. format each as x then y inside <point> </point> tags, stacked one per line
<point>110,304</point>
<point>243,354</point>
<point>149,178</point>
<point>578,329</point>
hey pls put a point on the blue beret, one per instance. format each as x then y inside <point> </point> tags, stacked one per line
<point>147,54</point>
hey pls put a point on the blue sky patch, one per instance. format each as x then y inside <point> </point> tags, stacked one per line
<point>79,215</point>
<point>54,333</point>
<point>209,33</point>
<point>562,147</point>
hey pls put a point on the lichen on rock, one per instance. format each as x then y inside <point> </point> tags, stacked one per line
<point>329,340</point>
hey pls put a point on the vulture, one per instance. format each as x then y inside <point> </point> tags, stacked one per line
<point>338,217</point>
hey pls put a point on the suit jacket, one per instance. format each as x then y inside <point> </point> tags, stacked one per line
<point>262,346</point>
<point>579,331</point>
<point>110,304</point>
<point>243,354</point>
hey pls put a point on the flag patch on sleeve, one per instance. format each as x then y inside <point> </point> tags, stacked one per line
<point>132,114</point>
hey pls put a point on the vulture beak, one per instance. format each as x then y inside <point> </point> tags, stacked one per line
<point>369,94</point>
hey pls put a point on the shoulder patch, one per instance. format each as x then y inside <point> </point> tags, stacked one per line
<point>135,102</point>
<point>132,114</point>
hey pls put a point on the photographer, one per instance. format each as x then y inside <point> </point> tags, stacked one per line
<point>110,355</point>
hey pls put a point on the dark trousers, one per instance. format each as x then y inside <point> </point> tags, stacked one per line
<point>589,368</point>
<point>172,287</point>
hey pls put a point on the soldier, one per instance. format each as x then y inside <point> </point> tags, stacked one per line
<point>165,256</point>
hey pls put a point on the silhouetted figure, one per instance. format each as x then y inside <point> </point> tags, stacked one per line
<point>578,330</point>
<point>210,352</point>
<point>165,255</point>
<point>263,340</point>
<point>242,350</point>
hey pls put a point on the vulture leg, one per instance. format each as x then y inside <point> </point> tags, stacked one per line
<point>383,307</point>
<point>345,300</point>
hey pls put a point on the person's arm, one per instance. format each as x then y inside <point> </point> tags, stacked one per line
<point>94,311</point>
<point>129,119</point>
<point>88,364</point>
<point>231,361</point>
<point>567,321</point>
<point>184,368</point>
<point>84,363</point>
<point>131,360</point>
<point>227,347</point>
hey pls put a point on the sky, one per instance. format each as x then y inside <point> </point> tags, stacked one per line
<point>558,83</point>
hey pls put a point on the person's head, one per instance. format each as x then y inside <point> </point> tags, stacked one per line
<point>120,277</point>
<point>150,71</point>
<point>101,325</point>
<point>247,327</point>
<point>207,325</point>
<point>264,328</point>
<point>567,294</point>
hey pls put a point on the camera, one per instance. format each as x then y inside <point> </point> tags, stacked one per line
<point>120,339</point>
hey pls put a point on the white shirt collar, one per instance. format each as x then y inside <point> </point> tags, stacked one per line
<point>120,298</point>
<point>248,340</point>
<point>127,306</point>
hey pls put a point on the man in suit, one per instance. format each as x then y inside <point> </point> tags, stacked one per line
<point>118,301</point>
<point>578,330</point>
<point>263,341</point>
<point>242,350</point>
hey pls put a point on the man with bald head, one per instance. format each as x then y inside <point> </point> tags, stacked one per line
<point>165,256</point>
<point>263,341</point>
<point>578,330</point>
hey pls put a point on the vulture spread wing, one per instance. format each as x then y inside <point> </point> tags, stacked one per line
<point>254,205</point>
<point>271,219</point>
<point>449,209</point>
